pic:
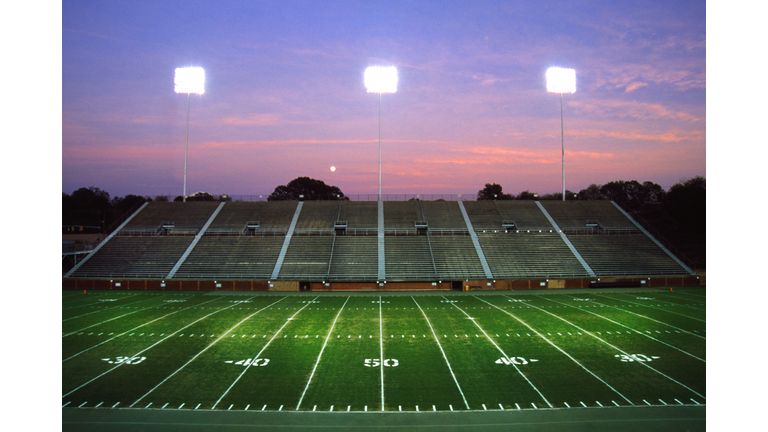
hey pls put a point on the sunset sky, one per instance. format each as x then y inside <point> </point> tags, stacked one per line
<point>284,95</point>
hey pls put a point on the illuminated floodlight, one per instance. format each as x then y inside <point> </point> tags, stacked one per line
<point>561,80</point>
<point>381,79</point>
<point>190,80</point>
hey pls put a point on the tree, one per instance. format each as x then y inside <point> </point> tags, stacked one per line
<point>305,189</point>
<point>631,194</point>
<point>492,192</point>
<point>686,202</point>
<point>120,206</point>
<point>592,192</point>
<point>86,206</point>
<point>526,195</point>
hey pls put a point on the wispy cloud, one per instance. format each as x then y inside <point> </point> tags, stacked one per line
<point>253,120</point>
<point>607,108</point>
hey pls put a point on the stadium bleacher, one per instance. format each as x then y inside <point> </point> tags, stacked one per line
<point>422,241</point>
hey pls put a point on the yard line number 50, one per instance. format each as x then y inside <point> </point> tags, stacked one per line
<point>377,362</point>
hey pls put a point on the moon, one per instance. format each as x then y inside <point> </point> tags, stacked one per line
<point>333,168</point>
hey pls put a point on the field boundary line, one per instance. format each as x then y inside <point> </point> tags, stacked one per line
<point>330,332</point>
<point>652,307</point>
<point>263,348</point>
<point>137,327</point>
<point>636,331</point>
<point>455,380</point>
<point>559,349</point>
<point>204,350</point>
<point>500,350</point>
<point>618,349</point>
<point>149,347</point>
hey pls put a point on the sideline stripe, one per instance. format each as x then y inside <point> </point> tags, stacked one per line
<point>443,352</point>
<point>502,352</point>
<point>262,350</point>
<point>559,349</point>
<point>204,350</point>
<point>321,354</point>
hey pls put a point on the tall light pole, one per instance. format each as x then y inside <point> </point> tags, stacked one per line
<point>560,80</point>
<point>188,80</point>
<point>380,79</point>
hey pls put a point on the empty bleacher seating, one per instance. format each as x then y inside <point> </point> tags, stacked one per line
<point>631,254</point>
<point>528,255</point>
<point>337,240</point>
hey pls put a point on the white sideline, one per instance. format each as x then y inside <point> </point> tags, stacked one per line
<point>320,355</point>
<point>204,350</point>
<point>261,351</point>
<point>502,351</point>
<point>559,349</point>
<point>444,356</point>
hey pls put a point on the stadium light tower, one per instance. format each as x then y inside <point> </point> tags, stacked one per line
<point>380,79</point>
<point>560,80</point>
<point>188,80</point>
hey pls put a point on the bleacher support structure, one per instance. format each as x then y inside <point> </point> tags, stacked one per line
<point>352,245</point>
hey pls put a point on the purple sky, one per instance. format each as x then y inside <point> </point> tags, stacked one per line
<point>285,97</point>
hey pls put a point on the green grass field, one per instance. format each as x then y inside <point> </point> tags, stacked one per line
<point>393,352</point>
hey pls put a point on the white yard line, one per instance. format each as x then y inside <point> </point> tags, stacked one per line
<point>261,351</point>
<point>205,349</point>
<point>327,338</point>
<point>148,348</point>
<point>649,318</point>
<point>616,348</point>
<point>443,352</point>
<point>500,350</point>
<point>654,307</point>
<point>111,319</point>
<point>381,358</point>
<point>559,349</point>
<point>105,309</point>
<point>636,331</point>
<point>133,329</point>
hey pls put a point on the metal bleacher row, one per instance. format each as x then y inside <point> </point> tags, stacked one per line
<point>363,241</point>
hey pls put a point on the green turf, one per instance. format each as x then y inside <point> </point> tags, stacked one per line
<point>458,351</point>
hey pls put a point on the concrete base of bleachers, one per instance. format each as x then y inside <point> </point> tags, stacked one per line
<point>283,286</point>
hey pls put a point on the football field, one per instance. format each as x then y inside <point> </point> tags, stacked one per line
<point>391,352</point>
